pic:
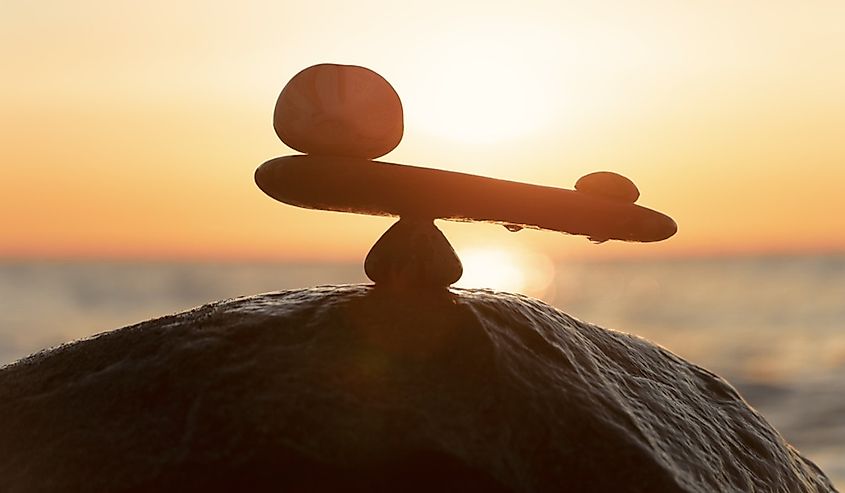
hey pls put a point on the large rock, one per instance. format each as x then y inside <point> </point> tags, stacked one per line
<point>363,389</point>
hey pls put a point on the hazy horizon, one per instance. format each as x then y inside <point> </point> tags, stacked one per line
<point>358,257</point>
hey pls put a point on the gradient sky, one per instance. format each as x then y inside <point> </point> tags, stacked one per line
<point>132,129</point>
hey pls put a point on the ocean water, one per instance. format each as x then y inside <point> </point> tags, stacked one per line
<point>772,326</point>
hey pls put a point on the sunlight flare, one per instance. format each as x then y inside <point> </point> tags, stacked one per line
<point>512,270</point>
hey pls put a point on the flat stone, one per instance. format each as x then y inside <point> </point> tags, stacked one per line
<point>376,188</point>
<point>354,388</point>
<point>341,110</point>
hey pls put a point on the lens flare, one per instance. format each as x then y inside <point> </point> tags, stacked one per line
<point>512,270</point>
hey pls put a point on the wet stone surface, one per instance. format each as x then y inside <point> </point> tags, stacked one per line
<point>355,388</point>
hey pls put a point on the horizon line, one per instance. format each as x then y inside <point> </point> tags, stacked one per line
<point>693,254</point>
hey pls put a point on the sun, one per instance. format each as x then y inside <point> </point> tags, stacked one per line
<point>512,270</point>
<point>485,85</point>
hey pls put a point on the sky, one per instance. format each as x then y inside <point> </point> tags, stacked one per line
<point>132,129</point>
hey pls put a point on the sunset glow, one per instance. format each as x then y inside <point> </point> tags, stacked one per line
<point>134,130</point>
<point>515,271</point>
<point>490,87</point>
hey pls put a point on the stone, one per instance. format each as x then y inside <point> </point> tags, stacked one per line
<point>355,388</point>
<point>413,254</point>
<point>610,185</point>
<point>341,110</point>
<point>362,186</point>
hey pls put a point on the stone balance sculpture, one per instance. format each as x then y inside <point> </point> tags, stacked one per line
<point>407,385</point>
<point>342,117</point>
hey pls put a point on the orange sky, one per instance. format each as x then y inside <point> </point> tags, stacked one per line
<point>133,129</point>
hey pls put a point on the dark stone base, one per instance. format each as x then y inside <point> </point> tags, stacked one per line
<point>360,389</point>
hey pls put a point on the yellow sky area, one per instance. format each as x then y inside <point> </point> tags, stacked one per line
<point>133,130</point>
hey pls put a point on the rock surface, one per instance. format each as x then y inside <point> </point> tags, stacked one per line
<point>356,388</point>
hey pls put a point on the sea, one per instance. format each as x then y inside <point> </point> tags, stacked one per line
<point>773,326</point>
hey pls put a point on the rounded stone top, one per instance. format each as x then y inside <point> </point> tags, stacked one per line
<point>413,254</point>
<point>609,185</point>
<point>339,110</point>
<point>355,388</point>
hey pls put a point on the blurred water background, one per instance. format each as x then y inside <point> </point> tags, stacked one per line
<point>774,326</point>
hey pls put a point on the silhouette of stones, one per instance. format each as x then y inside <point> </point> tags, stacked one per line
<point>362,186</point>
<point>610,185</point>
<point>413,254</point>
<point>343,116</point>
<point>360,389</point>
<point>339,110</point>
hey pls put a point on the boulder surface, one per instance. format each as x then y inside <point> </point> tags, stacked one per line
<point>357,388</point>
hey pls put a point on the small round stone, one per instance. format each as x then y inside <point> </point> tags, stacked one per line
<point>413,254</point>
<point>608,185</point>
<point>339,110</point>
